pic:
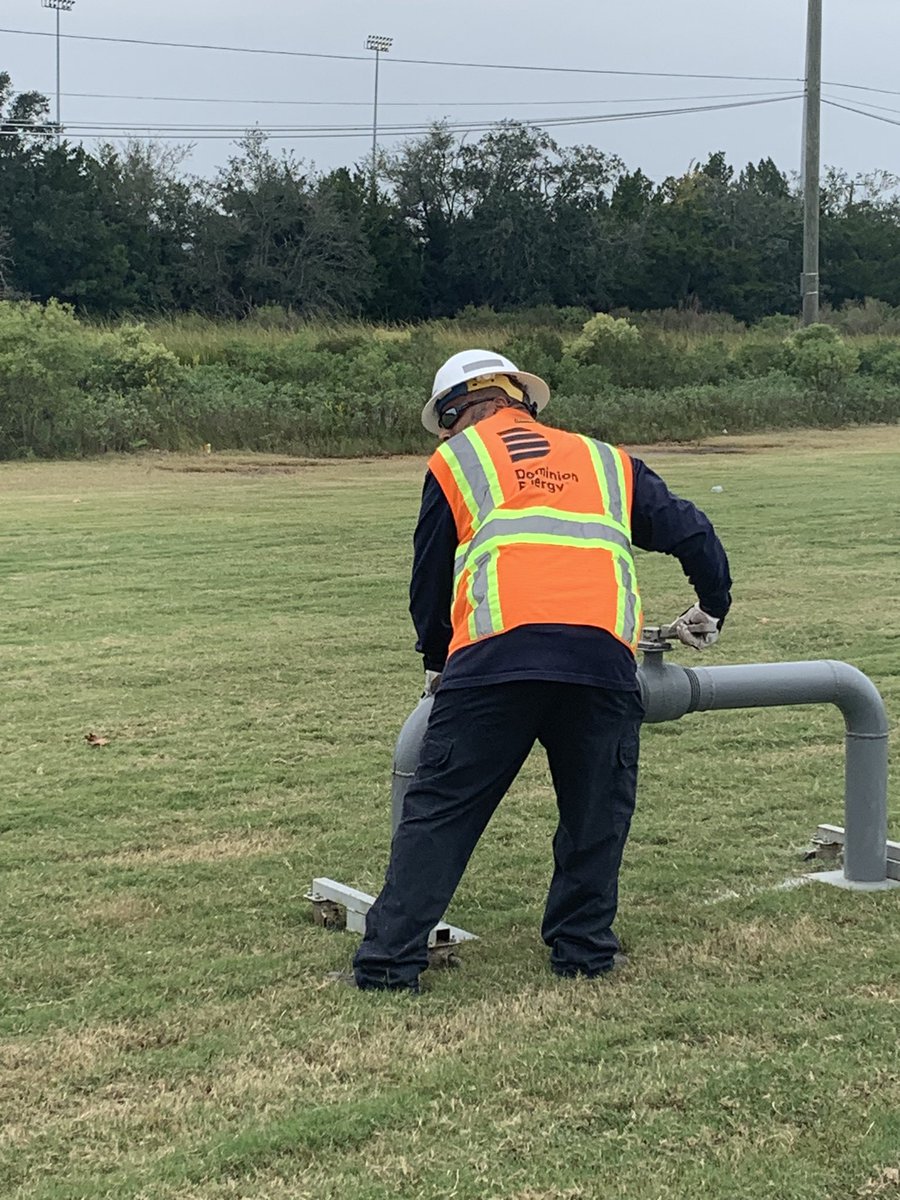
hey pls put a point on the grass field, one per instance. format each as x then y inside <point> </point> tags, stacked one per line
<point>236,628</point>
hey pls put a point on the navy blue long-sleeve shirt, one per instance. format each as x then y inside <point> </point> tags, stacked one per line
<point>660,521</point>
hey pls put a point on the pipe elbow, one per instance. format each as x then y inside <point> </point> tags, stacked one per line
<point>668,691</point>
<point>860,701</point>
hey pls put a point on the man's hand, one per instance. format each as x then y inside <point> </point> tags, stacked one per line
<point>696,628</point>
<point>432,683</point>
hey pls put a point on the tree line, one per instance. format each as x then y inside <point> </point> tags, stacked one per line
<point>506,221</point>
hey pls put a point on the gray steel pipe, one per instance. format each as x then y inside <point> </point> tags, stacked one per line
<point>669,691</point>
<point>406,755</point>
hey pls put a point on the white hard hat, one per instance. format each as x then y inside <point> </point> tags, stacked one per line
<point>472,364</point>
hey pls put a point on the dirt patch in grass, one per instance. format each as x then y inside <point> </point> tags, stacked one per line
<point>241,466</point>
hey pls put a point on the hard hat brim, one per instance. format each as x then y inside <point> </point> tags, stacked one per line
<point>538,393</point>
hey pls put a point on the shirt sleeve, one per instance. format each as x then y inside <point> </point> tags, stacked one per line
<point>431,585</point>
<point>662,521</point>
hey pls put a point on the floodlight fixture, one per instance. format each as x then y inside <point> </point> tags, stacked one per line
<point>377,42</point>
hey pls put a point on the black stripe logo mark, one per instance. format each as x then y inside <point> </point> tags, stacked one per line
<point>524,443</point>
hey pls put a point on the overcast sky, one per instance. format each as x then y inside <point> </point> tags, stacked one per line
<point>718,37</point>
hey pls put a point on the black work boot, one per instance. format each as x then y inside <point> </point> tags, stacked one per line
<point>619,961</point>
<point>348,979</point>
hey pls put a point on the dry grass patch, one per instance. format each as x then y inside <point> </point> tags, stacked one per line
<point>885,1182</point>
<point>120,910</point>
<point>754,943</point>
<point>221,848</point>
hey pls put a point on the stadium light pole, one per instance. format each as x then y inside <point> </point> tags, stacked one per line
<point>812,120</point>
<point>381,45</point>
<point>60,6</point>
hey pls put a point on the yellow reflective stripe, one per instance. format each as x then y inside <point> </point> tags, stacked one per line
<point>482,594</point>
<point>553,539</point>
<point>474,473</point>
<point>631,629</point>
<point>621,596</point>
<point>473,607</point>
<point>493,592</point>
<point>488,470</point>
<point>611,480</point>
<point>459,478</point>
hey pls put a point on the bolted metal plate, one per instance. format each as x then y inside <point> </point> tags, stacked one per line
<point>358,903</point>
<point>830,839</point>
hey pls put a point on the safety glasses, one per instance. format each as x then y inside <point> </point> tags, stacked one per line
<point>450,416</point>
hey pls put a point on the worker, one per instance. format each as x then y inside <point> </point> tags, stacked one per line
<point>524,597</point>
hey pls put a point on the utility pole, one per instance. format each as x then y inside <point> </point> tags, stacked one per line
<point>381,45</point>
<point>812,117</point>
<point>60,6</point>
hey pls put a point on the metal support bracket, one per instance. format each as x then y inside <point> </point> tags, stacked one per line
<point>328,897</point>
<point>828,843</point>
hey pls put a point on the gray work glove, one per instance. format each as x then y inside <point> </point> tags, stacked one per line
<point>696,628</point>
<point>432,683</point>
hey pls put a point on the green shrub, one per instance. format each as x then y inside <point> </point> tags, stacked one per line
<point>604,339</point>
<point>860,317</point>
<point>633,359</point>
<point>757,356</point>
<point>67,387</point>
<point>682,320</point>
<point>707,361</point>
<point>881,359</point>
<point>129,359</point>
<point>819,358</point>
<point>273,316</point>
<point>343,341</point>
<point>44,353</point>
<point>541,353</point>
<point>780,323</point>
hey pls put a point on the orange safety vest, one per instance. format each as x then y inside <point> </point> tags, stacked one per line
<point>543,520</point>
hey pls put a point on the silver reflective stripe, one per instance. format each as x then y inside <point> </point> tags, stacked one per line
<point>471,467</point>
<point>506,526</point>
<point>611,471</point>
<point>485,364</point>
<point>629,624</point>
<point>480,584</point>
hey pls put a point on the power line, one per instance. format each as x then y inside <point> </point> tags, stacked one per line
<point>861,87</point>
<point>425,62</point>
<point>867,104</point>
<point>298,132</point>
<point>440,104</point>
<point>421,62</point>
<point>861,112</point>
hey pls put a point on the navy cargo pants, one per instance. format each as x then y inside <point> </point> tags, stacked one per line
<point>475,744</point>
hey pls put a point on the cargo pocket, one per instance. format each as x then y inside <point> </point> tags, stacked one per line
<point>435,754</point>
<point>627,750</point>
<point>624,782</point>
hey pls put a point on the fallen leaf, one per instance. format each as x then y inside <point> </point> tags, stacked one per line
<point>94,739</point>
